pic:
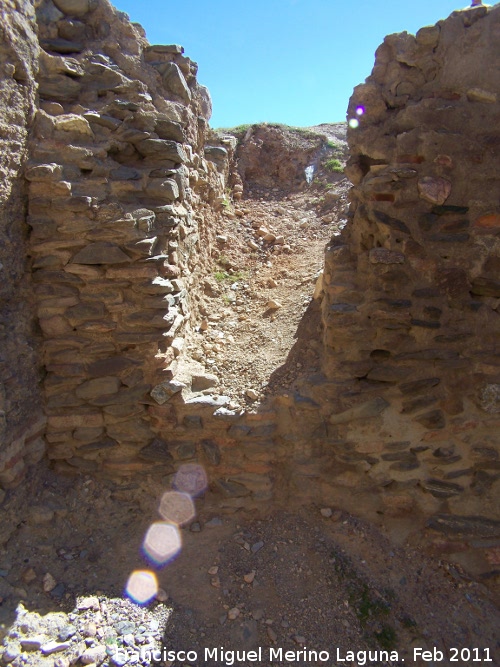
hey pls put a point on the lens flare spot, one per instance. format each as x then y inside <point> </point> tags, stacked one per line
<point>162,542</point>
<point>176,507</point>
<point>354,123</point>
<point>191,478</point>
<point>360,111</point>
<point>141,586</point>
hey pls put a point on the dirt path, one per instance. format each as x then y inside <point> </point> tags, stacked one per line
<point>270,254</point>
<point>315,578</point>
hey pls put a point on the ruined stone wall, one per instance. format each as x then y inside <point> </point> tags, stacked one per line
<point>122,192</point>
<point>119,208</point>
<point>21,416</point>
<point>412,286</point>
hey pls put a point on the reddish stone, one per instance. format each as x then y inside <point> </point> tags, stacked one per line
<point>488,221</point>
<point>470,425</point>
<point>444,160</point>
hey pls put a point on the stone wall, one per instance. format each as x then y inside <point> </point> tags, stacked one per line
<point>123,195</point>
<point>119,207</point>
<point>412,286</point>
<point>21,416</point>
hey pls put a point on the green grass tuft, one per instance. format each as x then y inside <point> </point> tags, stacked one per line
<point>335,165</point>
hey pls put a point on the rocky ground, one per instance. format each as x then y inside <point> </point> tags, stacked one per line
<point>313,577</point>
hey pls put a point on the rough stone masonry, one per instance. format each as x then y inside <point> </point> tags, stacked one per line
<point>105,164</point>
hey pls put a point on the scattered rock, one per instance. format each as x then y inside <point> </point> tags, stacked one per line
<point>49,583</point>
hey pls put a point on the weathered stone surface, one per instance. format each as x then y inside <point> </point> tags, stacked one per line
<point>174,80</point>
<point>73,7</point>
<point>73,123</point>
<point>434,190</point>
<point>162,149</point>
<point>169,129</point>
<point>98,387</point>
<point>101,253</point>
<point>384,256</point>
<point>434,419</point>
<point>201,381</point>
<point>371,408</point>
<point>468,526</point>
<point>157,451</point>
<point>163,189</point>
<point>59,87</point>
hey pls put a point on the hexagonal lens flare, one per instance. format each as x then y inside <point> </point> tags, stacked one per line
<point>176,507</point>
<point>141,586</point>
<point>162,542</point>
<point>191,478</point>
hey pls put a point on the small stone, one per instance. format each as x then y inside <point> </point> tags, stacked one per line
<point>272,635</point>
<point>233,613</point>
<point>326,512</point>
<point>119,658</point>
<point>62,661</point>
<point>215,582</point>
<point>29,575</point>
<point>213,570</point>
<point>480,95</point>
<point>54,647</point>
<point>257,547</point>
<point>89,629</point>
<point>88,603</point>
<point>195,527</point>
<point>273,305</point>
<point>258,614</point>
<point>10,653</point>
<point>161,595</point>
<point>298,639</point>
<point>125,627</point>
<point>248,578</point>
<point>32,643</point>
<point>252,245</point>
<point>215,521</point>
<point>95,654</point>
<point>49,583</point>
<point>66,633</point>
<point>280,240</point>
<point>434,190</point>
<point>272,283</point>
<point>252,394</point>
<point>58,590</point>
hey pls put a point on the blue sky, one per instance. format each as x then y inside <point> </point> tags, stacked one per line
<point>286,61</point>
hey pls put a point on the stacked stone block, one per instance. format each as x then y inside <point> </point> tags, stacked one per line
<point>411,301</point>
<point>115,175</point>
